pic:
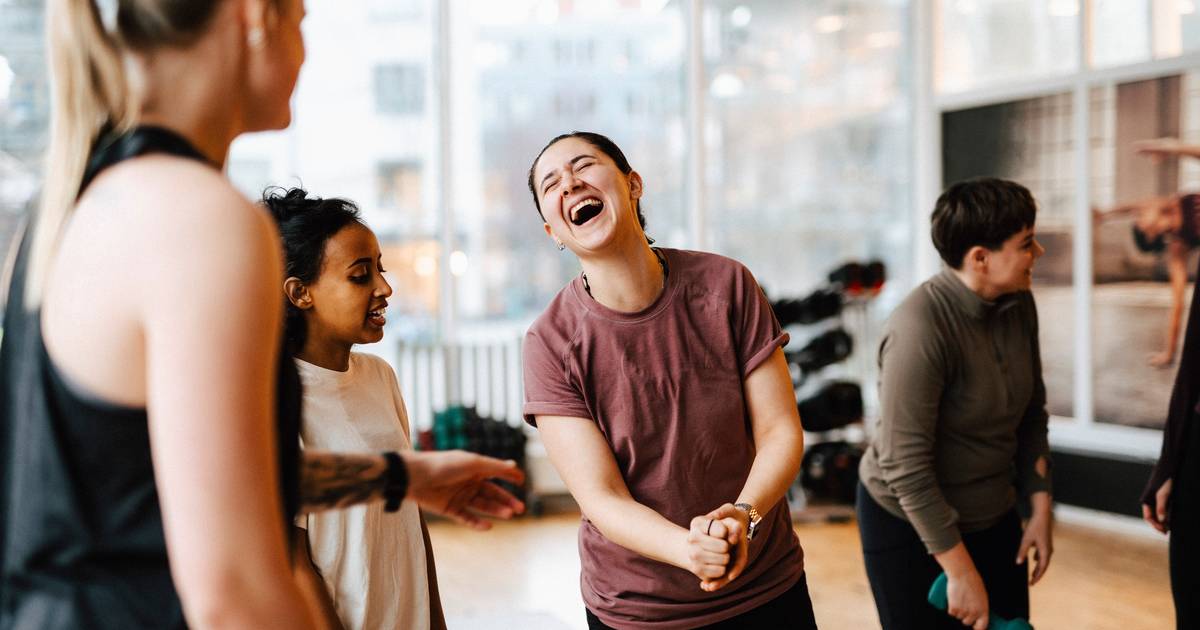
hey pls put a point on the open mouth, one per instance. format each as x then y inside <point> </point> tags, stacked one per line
<point>377,317</point>
<point>586,210</point>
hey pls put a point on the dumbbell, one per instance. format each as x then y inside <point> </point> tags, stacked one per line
<point>837,404</point>
<point>939,599</point>
<point>855,278</point>
<point>830,470</point>
<point>816,306</point>
<point>826,349</point>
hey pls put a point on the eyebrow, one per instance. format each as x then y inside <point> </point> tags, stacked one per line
<point>572,163</point>
<point>365,260</point>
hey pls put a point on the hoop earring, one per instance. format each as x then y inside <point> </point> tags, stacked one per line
<point>255,37</point>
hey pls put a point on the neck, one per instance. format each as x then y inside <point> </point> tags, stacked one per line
<point>978,285</point>
<point>197,108</point>
<point>323,353</point>
<point>627,279</point>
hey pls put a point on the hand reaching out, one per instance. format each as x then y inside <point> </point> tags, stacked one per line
<point>456,484</point>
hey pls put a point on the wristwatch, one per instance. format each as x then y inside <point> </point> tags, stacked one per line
<point>755,519</point>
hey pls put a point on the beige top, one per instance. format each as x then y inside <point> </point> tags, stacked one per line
<point>373,562</point>
<point>962,410</point>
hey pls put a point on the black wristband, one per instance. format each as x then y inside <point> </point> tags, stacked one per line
<point>396,481</point>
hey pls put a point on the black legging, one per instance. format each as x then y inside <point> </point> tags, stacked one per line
<point>901,571</point>
<point>1185,533</point>
<point>791,610</point>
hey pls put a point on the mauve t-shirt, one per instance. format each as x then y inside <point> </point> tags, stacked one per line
<point>664,385</point>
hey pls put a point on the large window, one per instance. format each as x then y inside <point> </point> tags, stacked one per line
<point>986,42</point>
<point>807,129</point>
<point>524,72</point>
<point>24,115</point>
<point>427,114</point>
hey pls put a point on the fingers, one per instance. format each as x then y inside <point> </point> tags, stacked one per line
<point>1023,551</point>
<point>506,469</point>
<point>733,529</point>
<point>1151,517</point>
<point>466,518</point>
<point>981,623</point>
<point>725,511</point>
<point>493,500</point>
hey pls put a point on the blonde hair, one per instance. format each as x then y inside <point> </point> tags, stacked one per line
<point>90,92</point>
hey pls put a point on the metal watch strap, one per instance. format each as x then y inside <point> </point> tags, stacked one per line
<point>396,481</point>
<point>754,518</point>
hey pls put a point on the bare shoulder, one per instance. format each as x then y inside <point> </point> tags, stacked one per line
<point>178,229</point>
<point>175,198</point>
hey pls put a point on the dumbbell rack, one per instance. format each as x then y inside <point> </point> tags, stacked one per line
<point>858,319</point>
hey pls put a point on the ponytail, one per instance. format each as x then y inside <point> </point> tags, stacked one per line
<point>89,90</point>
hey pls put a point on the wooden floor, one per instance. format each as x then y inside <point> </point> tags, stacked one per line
<point>525,575</point>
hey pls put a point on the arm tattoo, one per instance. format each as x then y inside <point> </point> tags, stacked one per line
<point>337,480</point>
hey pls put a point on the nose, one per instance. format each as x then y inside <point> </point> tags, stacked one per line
<point>1038,250</point>
<point>569,182</point>
<point>382,288</point>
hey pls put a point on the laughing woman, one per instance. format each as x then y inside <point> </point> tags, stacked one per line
<point>657,382</point>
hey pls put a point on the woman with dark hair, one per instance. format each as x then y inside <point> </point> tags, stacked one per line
<point>658,384</point>
<point>149,461</point>
<point>1169,226</point>
<point>962,424</point>
<point>363,567</point>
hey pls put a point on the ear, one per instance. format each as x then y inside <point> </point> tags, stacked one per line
<point>297,293</point>
<point>977,258</point>
<point>635,185</point>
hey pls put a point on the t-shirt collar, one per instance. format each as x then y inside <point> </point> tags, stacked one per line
<point>655,307</point>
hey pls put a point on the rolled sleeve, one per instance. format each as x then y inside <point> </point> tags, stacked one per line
<point>548,386</point>
<point>758,331</point>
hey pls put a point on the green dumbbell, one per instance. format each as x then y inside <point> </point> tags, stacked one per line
<point>937,597</point>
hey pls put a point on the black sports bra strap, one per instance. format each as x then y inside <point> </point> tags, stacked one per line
<point>111,149</point>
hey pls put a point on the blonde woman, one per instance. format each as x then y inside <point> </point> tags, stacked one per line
<point>150,465</point>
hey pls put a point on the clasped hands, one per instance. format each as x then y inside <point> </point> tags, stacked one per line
<point>717,546</point>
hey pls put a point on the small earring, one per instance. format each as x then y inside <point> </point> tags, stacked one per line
<point>256,37</point>
<point>561,246</point>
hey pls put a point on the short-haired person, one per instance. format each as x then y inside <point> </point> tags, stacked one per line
<point>962,425</point>
<point>657,381</point>
<point>149,461</point>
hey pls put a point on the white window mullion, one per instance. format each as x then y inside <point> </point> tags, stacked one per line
<point>696,183</point>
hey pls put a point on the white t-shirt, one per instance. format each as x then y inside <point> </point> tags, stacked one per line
<point>373,562</point>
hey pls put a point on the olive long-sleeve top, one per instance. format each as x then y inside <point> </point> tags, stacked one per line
<point>962,411</point>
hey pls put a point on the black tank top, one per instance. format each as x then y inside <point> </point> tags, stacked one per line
<point>81,535</point>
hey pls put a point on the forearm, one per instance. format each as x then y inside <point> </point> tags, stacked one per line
<point>1042,504</point>
<point>1174,317</point>
<point>637,528</point>
<point>955,561</point>
<point>337,480</point>
<point>776,465</point>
